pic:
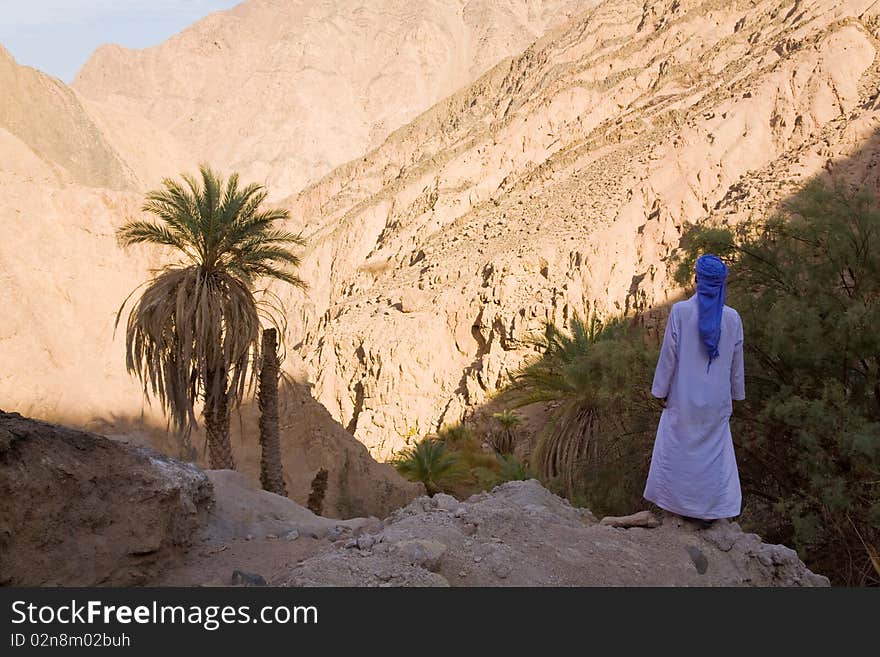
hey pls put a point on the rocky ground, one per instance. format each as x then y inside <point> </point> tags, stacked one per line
<point>520,534</point>
<point>77,509</point>
<point>255,533</point>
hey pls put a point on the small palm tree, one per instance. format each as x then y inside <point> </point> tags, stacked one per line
<point>559,376</point>
<point>594,377</point>
<point>194,332</point>
<point>505,441</point>
<point>430,462</point>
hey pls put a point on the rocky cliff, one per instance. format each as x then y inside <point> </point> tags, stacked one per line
<point>77,509</point>
<point>560,182</point>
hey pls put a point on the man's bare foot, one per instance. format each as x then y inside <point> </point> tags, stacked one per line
<point>644,519</point>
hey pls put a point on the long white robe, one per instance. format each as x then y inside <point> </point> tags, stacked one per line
<point>693,468</point>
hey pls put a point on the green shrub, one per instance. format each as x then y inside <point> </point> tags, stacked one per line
<point>456,436</point>
<point>807,285</point>
<point>431,463</point>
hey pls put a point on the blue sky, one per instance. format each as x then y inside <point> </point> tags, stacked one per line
<point>57,36</point>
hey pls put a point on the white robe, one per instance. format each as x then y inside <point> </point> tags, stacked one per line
<point>693,467</point>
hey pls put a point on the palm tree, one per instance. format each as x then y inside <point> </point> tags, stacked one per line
<point>194,332</point>
<point>595,377</point>
<point>505,441</point>
<point>430,462</point>
<point>560,377</point>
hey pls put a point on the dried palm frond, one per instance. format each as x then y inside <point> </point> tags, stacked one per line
<point>186,325</point>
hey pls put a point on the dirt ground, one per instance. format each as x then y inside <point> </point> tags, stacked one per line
<point>213,562</point>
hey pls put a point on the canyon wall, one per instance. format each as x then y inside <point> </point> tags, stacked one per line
<point>560,182</point>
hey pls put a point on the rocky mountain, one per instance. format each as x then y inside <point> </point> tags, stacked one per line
<point>285,90</point>
<point>560,182</point>
<point>76,163</point>
<point>65,188</point>
<point>47,133</point>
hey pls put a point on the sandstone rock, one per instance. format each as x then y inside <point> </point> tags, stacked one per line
<point>419,552</point>
<point>336,532</point>
<point>365,541</point>
<point>77,509</point>
<point>243,510</point>
<point>701,563</point>
<point>446,502</point>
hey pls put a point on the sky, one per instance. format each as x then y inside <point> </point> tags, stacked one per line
<point>58,36</point>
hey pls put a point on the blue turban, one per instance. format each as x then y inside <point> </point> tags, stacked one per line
<point>711,293</point>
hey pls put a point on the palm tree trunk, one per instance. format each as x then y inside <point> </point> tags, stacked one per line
<point>217,421</point>
<point>271,468</point>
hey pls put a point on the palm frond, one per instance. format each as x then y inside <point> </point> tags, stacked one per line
<point>138,232</point>
<point>575,372</point>
<point>430,462</point>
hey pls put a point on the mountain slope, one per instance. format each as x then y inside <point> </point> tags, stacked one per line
<point>75,164</point>
<point>65,188</point>
<point>286,90</point>
<point>559,182</point>
<point>46,132</point>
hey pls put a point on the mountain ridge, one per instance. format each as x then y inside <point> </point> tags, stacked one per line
<point>337,78</point>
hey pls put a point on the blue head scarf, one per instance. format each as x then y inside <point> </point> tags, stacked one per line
<point>711,293</point>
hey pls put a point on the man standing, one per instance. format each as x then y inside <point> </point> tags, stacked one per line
<point>700,371</point>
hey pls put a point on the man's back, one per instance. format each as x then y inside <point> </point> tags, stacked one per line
<point>692,381</point>
<point>693,467</point>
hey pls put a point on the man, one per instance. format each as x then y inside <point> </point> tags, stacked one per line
<point>700,371</point>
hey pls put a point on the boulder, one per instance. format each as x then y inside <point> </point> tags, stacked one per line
<point>77,509</point>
